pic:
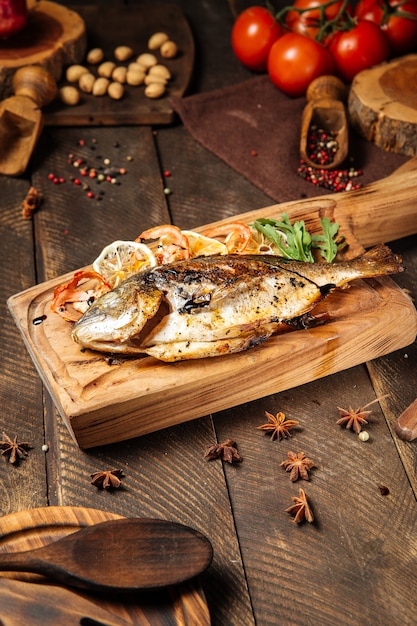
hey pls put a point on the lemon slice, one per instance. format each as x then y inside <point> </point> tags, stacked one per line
<point>200,245</point>
<point>122,259</point>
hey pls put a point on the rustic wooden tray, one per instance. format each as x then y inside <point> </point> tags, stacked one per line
<point>36,602</point>
<point>108,26</point>
<point>103,403</point>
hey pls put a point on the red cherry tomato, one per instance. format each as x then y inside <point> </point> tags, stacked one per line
<point>400,30</point>
<point>358,49</point>
<point>295,60</point>
<point>253,34</point>
<point>308,22</point>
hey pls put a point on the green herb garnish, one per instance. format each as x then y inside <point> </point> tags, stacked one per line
<point>328,243</point>
<point>295,242</point>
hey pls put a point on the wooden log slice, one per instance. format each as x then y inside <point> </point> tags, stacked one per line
<point>382,105</point>
<point>53,38</point>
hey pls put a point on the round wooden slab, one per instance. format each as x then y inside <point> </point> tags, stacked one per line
<point>38,527</point>
<point>53,38</point>
<point>383,105</point>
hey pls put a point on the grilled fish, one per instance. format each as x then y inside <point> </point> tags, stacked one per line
<point>209,306</point>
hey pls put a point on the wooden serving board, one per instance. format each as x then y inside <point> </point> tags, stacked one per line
<point>30,599</point>
<point>110,25</point>
<point>103,403</point>
<point>383,105</point>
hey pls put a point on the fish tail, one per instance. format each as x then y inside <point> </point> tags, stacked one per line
<point>382,260</point>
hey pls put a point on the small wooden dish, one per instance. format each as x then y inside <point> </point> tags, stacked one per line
<point>21,119</point>
<point>325,109</point>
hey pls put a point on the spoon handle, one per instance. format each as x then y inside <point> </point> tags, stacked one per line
<point>25,562</point>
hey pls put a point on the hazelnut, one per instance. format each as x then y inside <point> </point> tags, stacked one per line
<point>123,53</point>
<point>135,77</point>
<point>69,95</point>
<point>95,56</point>
<point>86,82</point>
<point>115,90</point>
<point>147,60</point>
<point>106,69</point>
<point>156,40</point>
<point>160,70</point>
<point>154,90</point>
<point>119,74</point>
<point>100,86</point>
<point>74,72</point>
<point>169,49</point>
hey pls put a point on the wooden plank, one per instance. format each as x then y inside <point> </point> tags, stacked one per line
<point>20,387</point>
<point>131,25</point>
<point>361,545</point>
<point>367,328</point>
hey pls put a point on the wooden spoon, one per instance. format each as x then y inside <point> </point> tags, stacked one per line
<point>119,555</point>
<point>325,109</point>
<point>406,425</point>
<point>21,118</point>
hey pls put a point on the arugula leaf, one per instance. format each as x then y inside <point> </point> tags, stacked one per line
<point>328,243</point>
<point>295,242</point>
<point>292,240</point>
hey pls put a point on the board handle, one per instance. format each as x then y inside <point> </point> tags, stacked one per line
<point>382,211</point>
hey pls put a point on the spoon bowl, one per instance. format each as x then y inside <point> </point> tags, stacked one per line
<point>119,555</point>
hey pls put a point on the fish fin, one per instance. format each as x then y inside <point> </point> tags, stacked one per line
<point>383,255</point>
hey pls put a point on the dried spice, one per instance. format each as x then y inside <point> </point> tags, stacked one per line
<point>30,203</point>
<point>278,425</point>
<point>298,465</point>
<point>301,508</point>
<point>334,180</point>
<point>226,451</point>
<point>355,419</point>
<point>108,479</point>
<point>14,449</point>
<point>322,145</point>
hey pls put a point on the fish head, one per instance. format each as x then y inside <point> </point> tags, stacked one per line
<point>118,317</point>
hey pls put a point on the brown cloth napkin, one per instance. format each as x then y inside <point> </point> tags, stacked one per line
<point>255,128</point>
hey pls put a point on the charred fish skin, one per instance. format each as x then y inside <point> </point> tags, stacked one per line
<point>215,305</point>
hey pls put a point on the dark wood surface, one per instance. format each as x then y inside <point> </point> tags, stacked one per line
<point>357,564</point>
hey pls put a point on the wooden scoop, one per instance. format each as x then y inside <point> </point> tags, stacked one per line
<point>406,425</point>
<point>325,109</point>
<point>118,555</point>
<point>21,119</point>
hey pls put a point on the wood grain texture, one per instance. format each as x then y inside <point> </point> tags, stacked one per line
<point>54,37</point>
<point>131,25</point>
<point>382,105</point>
<point>40,527</point>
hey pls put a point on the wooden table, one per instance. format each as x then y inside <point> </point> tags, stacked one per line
<point>357,564</point>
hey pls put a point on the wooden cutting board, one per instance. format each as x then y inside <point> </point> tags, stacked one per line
<point>28,599</point>
<point>383,105</point>
<point>110,25</point>
<point>106,401</point>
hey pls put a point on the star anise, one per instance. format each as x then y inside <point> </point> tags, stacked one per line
<point>279,426</point>
<point>301,508</point>
<point>108,479</point>
<point>14,449</point>
<point>298,465</point>
<point>226,451</point>
<point>354,419</point>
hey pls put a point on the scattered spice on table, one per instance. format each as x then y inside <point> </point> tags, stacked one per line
<point>355,419</point>
<point>14,449</point>
<point>107,479</point>
<point>384,491</point>
<point>301,508</point>
<point>278,425</point>
<point>226,451</point>
<point>30,203</point>
<point>298,465</point>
